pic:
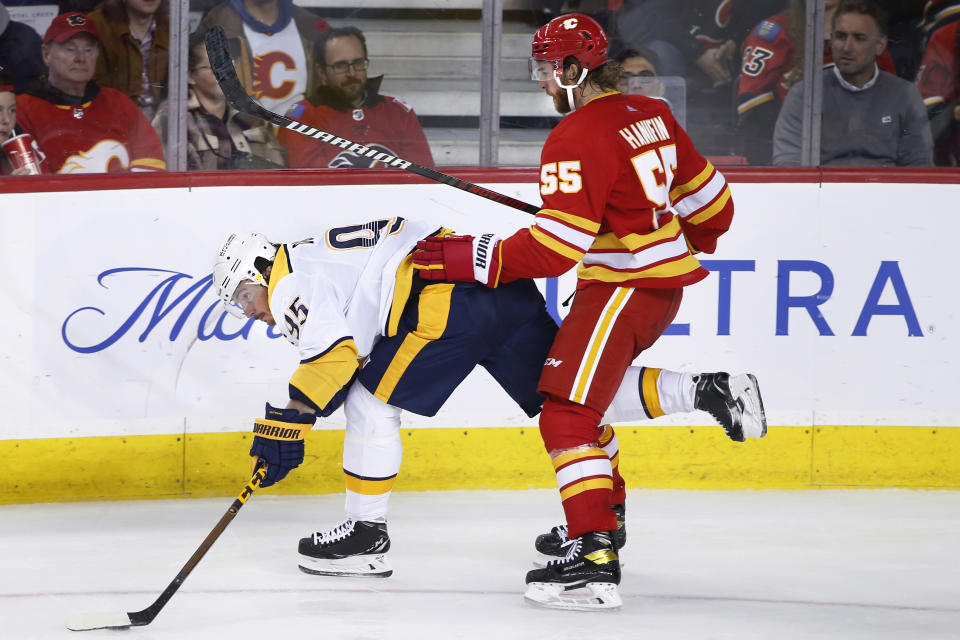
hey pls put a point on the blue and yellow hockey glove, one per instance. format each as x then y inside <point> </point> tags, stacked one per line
<point>279,441</point>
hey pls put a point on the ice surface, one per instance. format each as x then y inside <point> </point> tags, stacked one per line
<point>698,564</point>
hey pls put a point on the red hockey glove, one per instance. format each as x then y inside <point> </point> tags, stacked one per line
<point>459,259</point>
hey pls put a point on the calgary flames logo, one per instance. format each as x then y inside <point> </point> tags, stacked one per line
<point>570,23</point>
<point>104,157</point>
<point>263,86</point>
<point>76,20</point>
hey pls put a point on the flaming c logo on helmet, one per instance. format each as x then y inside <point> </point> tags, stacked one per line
<point>76,21</point>
<point>570,23</point>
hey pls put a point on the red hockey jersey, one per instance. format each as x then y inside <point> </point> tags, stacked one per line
<point>625,191</point>
<point>389,123</point>
<point>107,134</point>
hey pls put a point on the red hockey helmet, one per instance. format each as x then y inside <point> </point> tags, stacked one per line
<point>572,34</point>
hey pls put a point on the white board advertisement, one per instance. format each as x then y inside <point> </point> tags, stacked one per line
<point>837,296</point>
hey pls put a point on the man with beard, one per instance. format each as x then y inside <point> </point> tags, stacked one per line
<point>870,117</point>
<point>349,104</point>
<point>628,198</point>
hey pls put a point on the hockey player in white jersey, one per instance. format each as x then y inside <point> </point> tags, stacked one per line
<point>376,338</point>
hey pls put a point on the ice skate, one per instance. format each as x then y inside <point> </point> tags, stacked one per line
<point>590,568</point>
<point>734,402</point>
<point>551,545</point>
<point>352,548</point>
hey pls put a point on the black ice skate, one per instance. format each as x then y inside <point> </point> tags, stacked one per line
<point>734,402</point>
<point>591,563</point>
<point>551,545</point>
<point>352,548</point>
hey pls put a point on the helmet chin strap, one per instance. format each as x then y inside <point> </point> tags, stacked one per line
<point>570,88</point>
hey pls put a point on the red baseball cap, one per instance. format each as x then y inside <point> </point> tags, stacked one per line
<point>67,25</point>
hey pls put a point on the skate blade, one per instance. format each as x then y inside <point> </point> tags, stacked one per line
<point>370,566</point>
<point>594,596</point>
<point>754,420</point>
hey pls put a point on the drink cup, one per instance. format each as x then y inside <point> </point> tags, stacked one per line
<point>22,153</point>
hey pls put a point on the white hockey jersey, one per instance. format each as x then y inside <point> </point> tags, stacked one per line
<point>333,296</point>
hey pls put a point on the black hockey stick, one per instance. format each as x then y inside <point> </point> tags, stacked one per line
<point>222,66</point>
<point>119,620</point>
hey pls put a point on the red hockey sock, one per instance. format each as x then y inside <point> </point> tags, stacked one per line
<point>584,472</point>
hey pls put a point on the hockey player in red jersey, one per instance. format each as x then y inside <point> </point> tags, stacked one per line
<point>82,127</point>
<point>349,104</point>
<point>628,197</point>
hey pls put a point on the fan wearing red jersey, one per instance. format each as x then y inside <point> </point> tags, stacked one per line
<point>82,127</point>
<point>349,104</point>
<point>628,197</point>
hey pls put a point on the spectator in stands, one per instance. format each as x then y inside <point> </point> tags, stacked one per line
<point>8,123</point>
<point>20,54</point>
<point>639,72</point>
<point>767,71</point>
<point>692,40</point>
<point>276,56</point>
<point>349,104</point>
<point>939,86</point>
<point>134,43</point>
<point>870,117</point>
<point>82,127</point>
<point>639,75</point>
<point>218,136</point>
<point>771,63</point>
<point>668,28</point>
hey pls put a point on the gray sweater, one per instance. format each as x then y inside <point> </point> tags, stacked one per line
<point>883,124</point>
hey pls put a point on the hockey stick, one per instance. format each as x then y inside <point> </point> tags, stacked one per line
<point>118,620</point>
<point>222,66</point>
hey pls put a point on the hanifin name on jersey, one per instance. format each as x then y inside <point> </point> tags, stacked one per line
<point>644,132</point>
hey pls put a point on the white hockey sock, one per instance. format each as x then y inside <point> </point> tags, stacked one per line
<point>366,508</point>
<point>372,452</point>
<point>647,393</point>
<point>627,405</point>
<point>676,390</point>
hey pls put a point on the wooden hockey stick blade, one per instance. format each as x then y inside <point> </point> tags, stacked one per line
<point>119,620</point>
<point>218,51</point>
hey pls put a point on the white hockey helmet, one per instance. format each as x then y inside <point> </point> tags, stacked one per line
<point>237,261</point>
